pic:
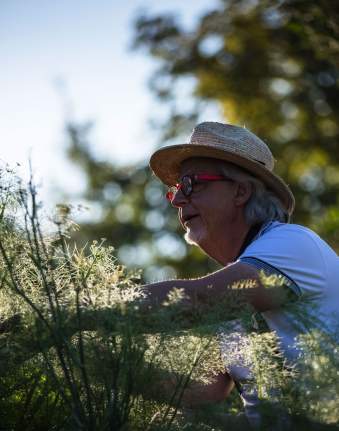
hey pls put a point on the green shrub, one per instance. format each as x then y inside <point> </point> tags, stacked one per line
<point>77,351</point>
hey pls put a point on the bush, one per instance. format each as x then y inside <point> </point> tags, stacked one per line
<point>77,350</point>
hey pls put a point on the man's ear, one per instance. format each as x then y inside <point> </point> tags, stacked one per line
<point>243,193</point>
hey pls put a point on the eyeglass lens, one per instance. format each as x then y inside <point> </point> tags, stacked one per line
<point>185,186</point>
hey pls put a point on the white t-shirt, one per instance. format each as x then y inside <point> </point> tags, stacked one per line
<point>311,268</point>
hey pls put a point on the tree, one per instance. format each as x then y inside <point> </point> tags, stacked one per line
<point>270,65</point>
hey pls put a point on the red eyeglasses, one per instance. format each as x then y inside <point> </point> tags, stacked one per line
<point>188,181</point>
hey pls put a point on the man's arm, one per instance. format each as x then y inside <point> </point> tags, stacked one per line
<point>193,394</point>
<point>237,279</point>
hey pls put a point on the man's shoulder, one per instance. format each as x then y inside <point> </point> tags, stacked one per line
<point>276,226</point>
<point>288,231</point>
<point>298,253</point>
<point>291,241</point>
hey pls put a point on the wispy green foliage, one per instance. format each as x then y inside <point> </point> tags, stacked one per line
<point>78,351</point>
<point>75,350</point>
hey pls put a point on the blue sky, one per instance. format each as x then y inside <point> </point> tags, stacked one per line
<point>77,51</point>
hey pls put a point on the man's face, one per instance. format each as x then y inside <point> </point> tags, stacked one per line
<point>208,212</point>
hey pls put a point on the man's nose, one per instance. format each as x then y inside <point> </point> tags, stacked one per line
<point>179,199</point>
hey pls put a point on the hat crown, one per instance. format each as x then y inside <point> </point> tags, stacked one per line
<point>234,139</point>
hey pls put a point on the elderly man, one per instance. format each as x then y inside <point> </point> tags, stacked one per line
<point>233,206</point>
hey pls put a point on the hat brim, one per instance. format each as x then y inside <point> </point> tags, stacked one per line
<point>166,162</point>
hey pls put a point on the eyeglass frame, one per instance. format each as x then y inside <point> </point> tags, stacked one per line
<point>193,179</point>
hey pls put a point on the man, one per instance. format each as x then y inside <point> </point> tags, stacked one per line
<point>233,206</point>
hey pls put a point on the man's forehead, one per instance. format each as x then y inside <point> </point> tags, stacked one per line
<point>201,164</point>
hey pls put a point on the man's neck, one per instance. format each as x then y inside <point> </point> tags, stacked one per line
<point>227,246</point>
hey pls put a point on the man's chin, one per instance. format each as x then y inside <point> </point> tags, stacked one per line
<point>192,239</point>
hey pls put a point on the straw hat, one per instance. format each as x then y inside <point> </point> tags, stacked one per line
<point>225,142</point>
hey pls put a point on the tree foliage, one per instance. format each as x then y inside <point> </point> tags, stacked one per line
<point>269,65</point>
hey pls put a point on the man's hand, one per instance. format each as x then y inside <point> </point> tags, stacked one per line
<point>195,395</point>
<point>198,394</point>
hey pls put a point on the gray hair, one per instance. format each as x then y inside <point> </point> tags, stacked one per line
<point>263,205</point>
